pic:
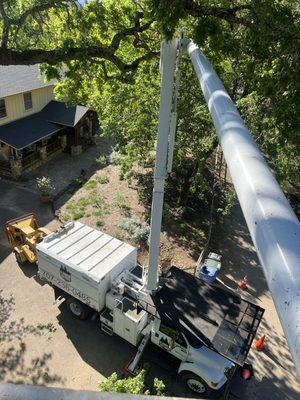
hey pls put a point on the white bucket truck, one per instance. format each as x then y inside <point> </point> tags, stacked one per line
<point>206,328</point>
<point>185,317</point>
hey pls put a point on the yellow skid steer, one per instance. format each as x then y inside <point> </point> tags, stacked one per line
<point>23,234</point>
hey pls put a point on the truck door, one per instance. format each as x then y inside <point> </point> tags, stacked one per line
<point>171,341</point>
<point>179,349</point>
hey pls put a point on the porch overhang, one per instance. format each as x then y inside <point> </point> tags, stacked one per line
<point>54,117</point>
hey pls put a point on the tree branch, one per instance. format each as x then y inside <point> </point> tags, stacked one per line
<point>53,57</point>
<point>11,56</point>
<point>32,11</point>
<point>229,14</point>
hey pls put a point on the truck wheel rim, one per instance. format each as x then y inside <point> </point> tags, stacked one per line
<point>196,386</point>
<point>75,309</point>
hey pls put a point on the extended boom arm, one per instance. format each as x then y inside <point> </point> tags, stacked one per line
<point>274,228</point>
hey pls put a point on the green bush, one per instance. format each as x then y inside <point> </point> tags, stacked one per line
<point>91,184</point>
<point>135,385</point>
<point>101,160</point>
<point>118,198</point>
<point>83,202</point>
<point>45,186</point>
<point>78,214</point>
<point>124,209</point>
<point>102,179</point>
<point>66,218</point>
<point>100,223</point>
<point>115,157</point>
<point>71,207</point>
<point>138,232</point>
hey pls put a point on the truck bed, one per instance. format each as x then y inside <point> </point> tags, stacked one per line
<point>207,314</point>
<point>83,262</point>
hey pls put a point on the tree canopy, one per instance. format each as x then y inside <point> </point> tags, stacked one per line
<point>109,54</point>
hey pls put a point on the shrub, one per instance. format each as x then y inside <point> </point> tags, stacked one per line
<point>115,157</point>
<point>45,186</point>
<point>91,184</point>
<point>83,202</point>
<point>78,214</point>
<point>139,232</point>
<point>101,160</point>
<point>135,385</point>
<point>102,179</point>
<point>94,198</point>
<point>100,223</point>
<point>118,198</point>
<point>71,207</point>
<point>124,209</point>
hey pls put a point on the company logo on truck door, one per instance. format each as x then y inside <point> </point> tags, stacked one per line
<point>65,274</point>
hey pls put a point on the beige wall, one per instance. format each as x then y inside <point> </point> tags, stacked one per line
<point>15,104</point>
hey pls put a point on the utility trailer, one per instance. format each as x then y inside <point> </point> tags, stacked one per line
<point>207,329</point>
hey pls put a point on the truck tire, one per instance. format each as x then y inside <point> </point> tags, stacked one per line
<point>77,309</point>
<point>196,384</point>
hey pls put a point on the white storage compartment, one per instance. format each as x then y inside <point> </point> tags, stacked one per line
<point>129,321</point>
<point>83,262</point>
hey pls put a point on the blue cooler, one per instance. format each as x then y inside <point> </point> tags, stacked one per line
<point>208,270</point>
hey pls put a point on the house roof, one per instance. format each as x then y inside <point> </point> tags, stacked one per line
<point>60,113</point>
<point>52,118</point>
<point>21,78</point>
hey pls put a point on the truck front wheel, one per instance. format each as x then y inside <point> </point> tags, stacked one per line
<point>196,384</point>
<point>77,309</point>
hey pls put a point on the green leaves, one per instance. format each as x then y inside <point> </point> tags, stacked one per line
<point>135,385</point>
<point>253,45</point>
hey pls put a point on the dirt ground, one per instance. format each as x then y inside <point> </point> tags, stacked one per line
<point>105,201</point>
<point>41,343</point>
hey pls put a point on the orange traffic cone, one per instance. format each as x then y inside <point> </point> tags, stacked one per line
<point>259,344</point>
<point>243,283</point>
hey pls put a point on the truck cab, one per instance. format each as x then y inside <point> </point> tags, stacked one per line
<point>202,369</point>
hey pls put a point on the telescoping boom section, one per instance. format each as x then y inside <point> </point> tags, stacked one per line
<point>274,227</point>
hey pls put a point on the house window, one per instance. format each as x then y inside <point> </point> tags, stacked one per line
<point>2,108</point>
<point>27,101</point>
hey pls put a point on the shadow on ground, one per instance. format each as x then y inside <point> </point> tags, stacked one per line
<point>15,367</point>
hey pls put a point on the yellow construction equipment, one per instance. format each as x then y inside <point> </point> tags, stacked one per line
<point>23,234</point>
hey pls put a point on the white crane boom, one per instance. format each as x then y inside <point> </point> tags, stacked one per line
<point>274,227</point>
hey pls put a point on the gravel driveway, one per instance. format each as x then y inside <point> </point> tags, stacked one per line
<point>42,344</point>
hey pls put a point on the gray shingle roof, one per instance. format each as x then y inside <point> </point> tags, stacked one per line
<point>52,118</point>
<point>59,113</point>
<point>20,78</point>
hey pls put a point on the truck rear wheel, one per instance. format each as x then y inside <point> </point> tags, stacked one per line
<point>77,309</point>
<point>196,384</point>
